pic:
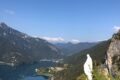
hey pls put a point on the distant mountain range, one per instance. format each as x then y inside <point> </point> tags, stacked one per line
<point>71,48</point>
<point>17,47</point>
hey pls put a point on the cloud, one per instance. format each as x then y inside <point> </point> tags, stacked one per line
<point>53,39</point>
<point>10,12</point>
<point>59,40</point>
<point>116,28</point>
<point>75,41</point>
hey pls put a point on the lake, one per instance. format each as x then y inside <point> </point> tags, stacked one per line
<point>23,72</point>
<point>34,78</point>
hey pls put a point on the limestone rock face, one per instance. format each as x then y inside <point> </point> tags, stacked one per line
<point>113,55</point>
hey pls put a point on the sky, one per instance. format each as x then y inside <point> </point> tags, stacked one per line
<point>63,20</point>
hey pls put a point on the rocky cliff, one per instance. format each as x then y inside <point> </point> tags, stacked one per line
<point>113,55</point>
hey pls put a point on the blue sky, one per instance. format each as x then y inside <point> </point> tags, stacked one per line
<point>69,20</point>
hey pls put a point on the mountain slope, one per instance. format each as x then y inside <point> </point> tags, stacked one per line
<point>17,47</point>
<point>70,48</point>
<point>77,60</point>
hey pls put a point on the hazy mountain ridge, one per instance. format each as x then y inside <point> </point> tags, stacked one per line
<point>71,48</point>
<point>17,47</point>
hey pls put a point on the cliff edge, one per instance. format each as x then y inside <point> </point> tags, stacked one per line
<point>113,55</point>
